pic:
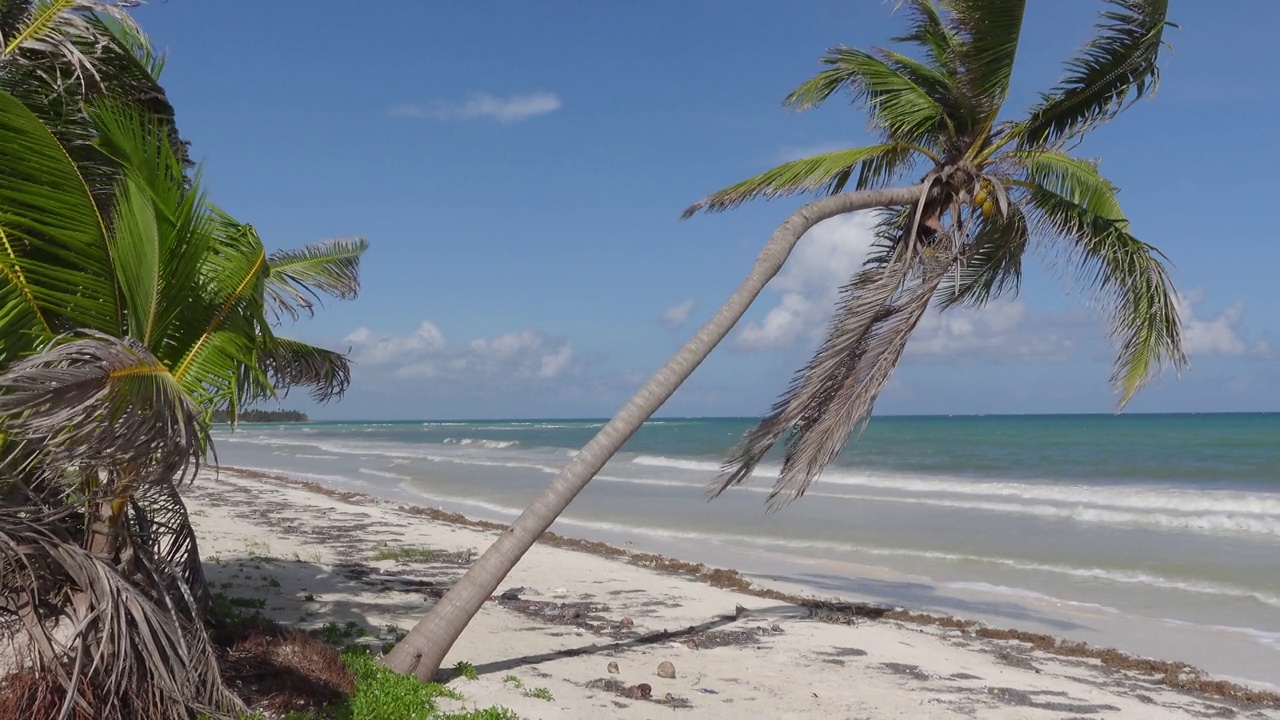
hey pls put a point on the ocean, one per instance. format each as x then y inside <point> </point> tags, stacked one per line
<point>1155,534</point>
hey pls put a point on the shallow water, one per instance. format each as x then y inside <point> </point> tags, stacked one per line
<point>1158,534</point>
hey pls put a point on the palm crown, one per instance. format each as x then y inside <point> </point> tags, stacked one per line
<point>992,188</point>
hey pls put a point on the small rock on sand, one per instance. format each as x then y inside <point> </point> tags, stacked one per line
<point>666,670</point>
<point>613,668</point>
<point>626,622</point>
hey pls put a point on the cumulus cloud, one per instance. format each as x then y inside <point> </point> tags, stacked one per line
<point>426,354</point>
<point>1003,331</point>
<point>808,286</point>
<point>678,314</point>
<point>511,109</point>
<point>1222,334</point>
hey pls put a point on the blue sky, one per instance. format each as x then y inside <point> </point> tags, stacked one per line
<point>519,170</point>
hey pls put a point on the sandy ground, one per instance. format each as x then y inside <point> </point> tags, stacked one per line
<point>570,619</point>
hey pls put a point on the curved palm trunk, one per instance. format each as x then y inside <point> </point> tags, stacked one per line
<point>424,648</point>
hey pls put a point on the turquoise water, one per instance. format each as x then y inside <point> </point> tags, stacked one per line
<point>1159,534</point>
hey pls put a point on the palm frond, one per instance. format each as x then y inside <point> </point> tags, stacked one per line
<point>992,265</point>
<point>158,521</point>
<point>898,106</point>
<point>96,401</point>
<point>162,230</point>
<point>291,363</point>
<point>296,278</point>
<point>133,651</point>
<point>987,33</point>
<point>833,396</point>
<point>827,174</point>
<point>55,239</point>
<point>929,32</point>
<point>224,339</point>
<point>1119,66</point>
<point>1127,276</point>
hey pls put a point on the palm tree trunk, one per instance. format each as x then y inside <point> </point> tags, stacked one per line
<point>424,648</point>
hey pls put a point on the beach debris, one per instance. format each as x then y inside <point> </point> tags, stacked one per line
<point>708,691</point>
<point>626,622</point>
<point>740,612</point>
<point>512,594</point>
<point>775,628</point>
<point>642,691</point>
<point>666,670</point>
<point>613,668</point>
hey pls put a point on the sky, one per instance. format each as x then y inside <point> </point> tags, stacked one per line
<point>519,170</point>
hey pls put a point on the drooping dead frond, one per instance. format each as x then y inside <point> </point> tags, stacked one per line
<point>159,521</point>
<point>834,395</point>
<point>119,647</point>
<point>95,401</point>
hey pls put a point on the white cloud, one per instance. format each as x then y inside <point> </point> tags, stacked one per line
<point>426,354</point>
<point>1003,331</point>
<point>376,350</point>
<point>809,284</point>
<point>678,314</point>
<point>1222,334</point>
<point>512,109</point>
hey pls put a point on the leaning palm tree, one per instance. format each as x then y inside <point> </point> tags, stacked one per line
<point>128,312</point>
<point>988,187</point>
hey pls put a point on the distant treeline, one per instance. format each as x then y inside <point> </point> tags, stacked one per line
<point>221,416</point>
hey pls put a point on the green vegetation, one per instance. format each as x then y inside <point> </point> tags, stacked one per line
<point>513,681</point>
<point>261,416</point>
<point>466,670</point>
<point>540,693</point>
<point>381,694</point>
<point>405,554</point>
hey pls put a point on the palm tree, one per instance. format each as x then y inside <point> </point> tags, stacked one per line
<point>989,186</point>
<point>130,309</point>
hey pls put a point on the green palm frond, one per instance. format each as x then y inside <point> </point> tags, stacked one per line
<point>929,32</point>
<point>1117,67</point>
<point>1074,179</point>
<point>55,241</point>
<point>224,339</point>
<point>827,174</point>
<point>128,36</point>
<point>292,363</point>
<point>1128,277</point>
<point>162,230</point>
<point>987,33</point>
<point>902,109</point>
<point>993,265</point>
<point>296,278</point>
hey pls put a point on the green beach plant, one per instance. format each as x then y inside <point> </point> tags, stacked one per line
<point>982,187</point>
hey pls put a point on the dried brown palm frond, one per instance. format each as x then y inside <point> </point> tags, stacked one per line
<point>114,644</point>
<point>91,401</point>
<point>832,397</point>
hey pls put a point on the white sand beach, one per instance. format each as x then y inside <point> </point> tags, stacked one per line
<point>571,617</point>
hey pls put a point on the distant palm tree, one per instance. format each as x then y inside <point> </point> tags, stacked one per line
<point>130,309</point>
<point>989,186</point>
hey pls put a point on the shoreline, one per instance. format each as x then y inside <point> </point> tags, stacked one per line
<point>1173,676</point>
